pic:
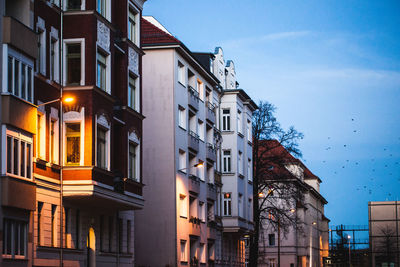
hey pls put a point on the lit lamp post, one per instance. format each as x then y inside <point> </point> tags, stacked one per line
<point>198,165</point>
<point>349,237</point>
<point>66,100</point>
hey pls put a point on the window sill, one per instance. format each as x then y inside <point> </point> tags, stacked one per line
<point>249,142</point>
<point>250,182</point>
<point>183,217</point>
<point>227,132</point>
<point>14,258</point>
<point>228,173</point>
<point>183,172</point>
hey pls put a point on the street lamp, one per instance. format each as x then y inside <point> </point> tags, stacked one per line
<point>66,100</point>
<point>349,237</point>
<point>198,165</point>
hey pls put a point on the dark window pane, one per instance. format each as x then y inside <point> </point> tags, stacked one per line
<point>73,64</point>
<point>23,81</point>
<point>28,161</point>
<point>73,143</point>
<point>10,74</point>
<point>15,148</point>
<point>9,154</point>
<point>29,82</point>
<point>22,158</point>
<point>16,77</point>
<point>74,5</point>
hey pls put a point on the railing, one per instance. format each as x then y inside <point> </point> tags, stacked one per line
<point>217,177</point>
<point>193,92</point>
<point>210,106</point>
<point>194,135</point>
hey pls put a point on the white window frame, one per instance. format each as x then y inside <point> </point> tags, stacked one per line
<point>200,171</point>
<point>249,131</point>
<point>202,252</point>
<point>182,117</point>
<point>182,161</point>
<point>240,163</point>
<point>65,4</point>
<point>201,130</point>
<point>200,89</point>
<point>66,42</point>
<point>107,70</point>
<point>104,123</point>
<point>227,162</point>
<point>107,11</point>
<point>249,170</point>
<point>29,64</point>
<point>136,39</point>
<point>133,138</point>
<point>183,206</point>
<point>226,120</point>
<point>240,205</point>
<point>41,149</point>
<point>54,42</point>
<point>74,117</point>
<point>202,211</point>
<point>41,30</point>
<point>181,73</point>
<point>227,202</point>
<point>239,122</point>
<point>19,136</point>
<point>54,118</point>
<point>184,249</point>
<point>136,78</point>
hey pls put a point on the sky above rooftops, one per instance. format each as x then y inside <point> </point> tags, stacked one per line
<point>332,68</point>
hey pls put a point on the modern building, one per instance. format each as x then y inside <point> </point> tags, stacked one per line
<point>181,223</point>
<point>70,170</point>
<point>384,233</point>
<point>302,240</point>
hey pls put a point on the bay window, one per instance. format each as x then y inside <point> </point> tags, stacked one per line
<point>73,145</point>
<point>18,154</point>
<point>19,76</point>
<point>103,142</point>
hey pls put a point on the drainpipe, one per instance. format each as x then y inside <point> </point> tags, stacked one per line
<point>60,134</point>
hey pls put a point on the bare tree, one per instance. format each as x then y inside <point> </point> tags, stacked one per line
<point>270,181</point>
<point>386,245</point>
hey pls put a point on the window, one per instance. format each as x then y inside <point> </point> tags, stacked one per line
<point>110,233</point>
<point>240,205</point>
<point>202,253</point>
<point>240,162</point>
<point>227,161</point>
<point>74,4</point>
<point>182,161</point>
<point>184,257</point>
<point>249,170</point>
<point>227,211</point>
<point>74,64</point>
<point>120,235</point>
<point>183,209</point>
<point>128,235</point>
<point>200,89</point>
<point>132,25</point>
<point>39,223</point>
<point>249,135</point>
<point>55,2</point>
<point>14,237</point>
<point>239,121</point>
<point>101,80</point>
<point>133,93</point>
<point>210,211</point>
<point>271,239</point>
<point>201,130</point>
<point>133,149</point>
<point>101,7</point>
<point>73,136</point>
<point>226,120</point>
<point>182,117</point>
<point>272,262</point>
<point>19,76</point>
<point>19,154</point>
<point>41,136</point>
<point>54,61</point>
<point>102,147</point>
<point>249,210</point>
<point>41,57</point>
<point>134,157</point>
<point>181,73</point>
<point>53,225</point>
<point>77,228</point>
<point>53,134</point>
<point>202,211</point>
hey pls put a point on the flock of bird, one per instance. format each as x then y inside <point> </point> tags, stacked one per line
<point>390,169</point>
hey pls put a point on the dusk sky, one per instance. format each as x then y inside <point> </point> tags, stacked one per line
<point>332,68</point>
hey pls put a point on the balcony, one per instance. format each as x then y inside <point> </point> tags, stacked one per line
<point>195,226</point>
<point>101,188</point>
<point>19,36</point>
<point>18,113</point>
<point>211,152</point>
<point>217,177</point>
<point>193,98</point>
<point>210,113</point>
<point>211,191</point>
<point>193,141</point>
<point>194,184</point>
<point>212,230</point>
<point>18,193</point>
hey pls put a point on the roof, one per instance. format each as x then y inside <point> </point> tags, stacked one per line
<point>151,34</point>
<point>245,97</point>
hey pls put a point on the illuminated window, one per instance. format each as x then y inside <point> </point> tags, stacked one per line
<point>19,154</point>
<point>73,146</point>
<point>227,210</point>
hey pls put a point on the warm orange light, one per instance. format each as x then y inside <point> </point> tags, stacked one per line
<point>314,223</point>
<point>260,194</point>
<point>68,100</point>
<point>199,165</point>
<point>292,210</point>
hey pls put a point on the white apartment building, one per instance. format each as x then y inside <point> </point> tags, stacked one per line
<point>180,225</point>
<point>306,242</point>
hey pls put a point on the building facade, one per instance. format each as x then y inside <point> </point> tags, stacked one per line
<point>77,163</point>
<point>384,234</point>
<point>303,239</point>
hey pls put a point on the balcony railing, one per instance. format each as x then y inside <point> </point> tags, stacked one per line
<point>193,141</point>
<point>211,191</point>
<point>194,184</point>
<point>217,177</point>
<point>210,114</point>
<point>193,98</point>
<point>211,152</point>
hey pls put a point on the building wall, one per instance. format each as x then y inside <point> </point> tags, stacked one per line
<point>156,225</point>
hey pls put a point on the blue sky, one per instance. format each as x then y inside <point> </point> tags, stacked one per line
<point>332,68</point>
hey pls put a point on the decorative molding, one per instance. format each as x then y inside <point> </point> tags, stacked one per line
<point>133,137</point>
<point>102,120</point>
<point>54,33</point>
<point>72,115</point>
<point>40,23</point>
<point>103,36</point>
<point>133,61</point>
<point>53,113</point>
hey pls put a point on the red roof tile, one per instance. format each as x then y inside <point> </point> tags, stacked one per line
<point>151,34</point>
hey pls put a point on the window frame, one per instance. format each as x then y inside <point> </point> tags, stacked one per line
<point>181,73</point>
<point>74,117</point>
<point>136,39</point>
<point>227,204</point>
<point>105,80</point>
<point>103,123</point>
<point>67,42</point>
<point>182,117</point>
<point>184,253</point>
<point>107,9</point>
<point>226,120</point>
<point>136,105</point>
<point>227,161</point>
<point>54,59</point>
<point>41,59</point>
<point>182,167</point>
<point>183,206</point>
<point>12,223</point>
<point>41,133</point>
<point>133,138</point>
<point>55,154</point>
<point>83,6</point>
